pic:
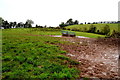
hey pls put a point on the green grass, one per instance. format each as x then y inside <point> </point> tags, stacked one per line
<point>98,26</point>
<point>90,35</point>
<point>37,31</point>
<point>33,31</point>
<point>26,56</point>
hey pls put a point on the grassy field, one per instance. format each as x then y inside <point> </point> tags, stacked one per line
<point>29,56</point>
<point>34,31</point>
<point>98,26</point>
<point>31,53</point>
<point>42,31</point>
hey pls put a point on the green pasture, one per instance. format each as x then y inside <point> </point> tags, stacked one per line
<point>40,31</point>
<point>31,53</point>
<point>33,31</point>
<point>34,57</point>
<point>99,27</point>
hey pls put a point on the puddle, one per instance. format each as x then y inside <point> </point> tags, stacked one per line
<point>81,37</point>
<point>62,36</point>
<point>70,54</point>
<point>56,35</point>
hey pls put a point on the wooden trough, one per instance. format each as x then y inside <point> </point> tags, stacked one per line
<point>68,34</point>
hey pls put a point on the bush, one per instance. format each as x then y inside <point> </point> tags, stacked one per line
<point>98,31</point>
<point>114,35</point>
<point>84,29</point>
<point>92,29</point>
<point>106,29</point>
<point>75,29</point>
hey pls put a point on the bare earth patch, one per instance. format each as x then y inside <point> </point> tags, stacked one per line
<point>98,57</point>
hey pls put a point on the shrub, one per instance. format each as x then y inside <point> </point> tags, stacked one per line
<point>75,29</point>
<point>114,34</point>
<point>106,29</point>
<point>92,29</point>
<point>84,29</point>
<point>98,31</point>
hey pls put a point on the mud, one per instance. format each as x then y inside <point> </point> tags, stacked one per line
<point>98,57</point>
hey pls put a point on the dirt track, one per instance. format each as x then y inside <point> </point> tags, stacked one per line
<point>98,57</point>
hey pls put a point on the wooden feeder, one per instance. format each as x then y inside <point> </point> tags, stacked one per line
<point>68,34</point>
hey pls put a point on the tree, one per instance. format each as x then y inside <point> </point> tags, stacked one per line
<point>20,25</point>
<point>5,24</point>
<point>70,22</point>
<point>11,24</point>
<point>36,26</point>
<point>45,26</point>
<point>14,24</point>
<point>76,22</point>
<point>62,25</point>
<point>29,23</point>
<point>26,25</point>
<point>81,23</point>
<point>1,22</point>
<point>88,23</point>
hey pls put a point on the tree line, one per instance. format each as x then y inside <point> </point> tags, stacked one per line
<point>69,22</point>
<point>28,24</point>
<point>76,22</point>
<point>6,25</point>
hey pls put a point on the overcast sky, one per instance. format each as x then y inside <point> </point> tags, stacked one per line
<point>53,12</point>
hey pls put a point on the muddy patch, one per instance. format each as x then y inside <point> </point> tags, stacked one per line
<point>98,58</point>
<point>67,37</point>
